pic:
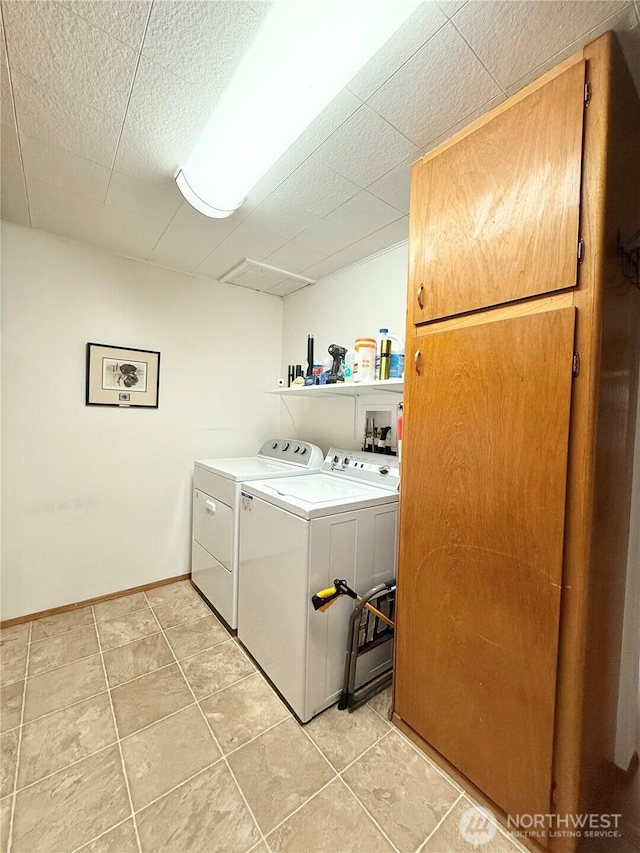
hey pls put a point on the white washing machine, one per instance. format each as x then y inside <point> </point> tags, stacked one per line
<point>296,537</point>
<point>216,499</point>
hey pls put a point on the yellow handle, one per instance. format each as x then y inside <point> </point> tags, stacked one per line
<point>327,593</point>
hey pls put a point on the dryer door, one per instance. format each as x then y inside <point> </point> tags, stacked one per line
<point>213,527</point>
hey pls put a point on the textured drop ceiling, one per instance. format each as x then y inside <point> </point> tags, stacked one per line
<point>102,101</point>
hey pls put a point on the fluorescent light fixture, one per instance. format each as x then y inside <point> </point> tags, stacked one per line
<point>302,56</point>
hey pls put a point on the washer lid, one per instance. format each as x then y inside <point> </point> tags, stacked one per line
<point>248,468</point>
<point>318,495</point>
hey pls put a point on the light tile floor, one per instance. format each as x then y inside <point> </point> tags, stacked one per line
<point>140,724</point>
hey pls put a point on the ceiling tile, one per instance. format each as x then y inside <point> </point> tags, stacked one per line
<point>438,86</point>
<point>327,237</point>
<point>13,198</point>
<point>260,7</point>
<point>622,22</point>
<point>513,38</point>
<point>280,217</point>
<point>148,158</point>
<point>416,30</point>
<point>124,21</point>
<point>139,197</point>
<point>91,65</point>
<point>279,172</point>
<point>134,217</point>
<point>10,150</point>
<point>247,241</point>
<point>7,115</point>
<point>630,42</point>
<point>63,169</point>
<point>164,104</point>
<point>386,237</point>
<point>326,267</point>
<point>316,187</point>
<point>363,214</point>
<point>294,256</point>
<point>465,122</point>
<point>165,117</point>
<point>201,42</point>
<point>395,185</point>
<point>450,7</point>
<point>61,212</point>
<point>54,116</point>
<point>190,238</point>
<point>126,233</point>
<point>365,147</point>
<point>287,287</point>
<point>336,113</point>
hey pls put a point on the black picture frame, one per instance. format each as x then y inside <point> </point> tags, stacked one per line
<point>122,376</point>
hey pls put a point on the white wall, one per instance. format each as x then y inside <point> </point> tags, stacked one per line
<point>98,499</point>
<point>354,302</point>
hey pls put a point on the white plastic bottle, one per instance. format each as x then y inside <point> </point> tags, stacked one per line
<point>349,364</point>
<point>382,334</point>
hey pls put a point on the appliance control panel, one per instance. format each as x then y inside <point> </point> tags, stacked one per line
<point>299,453</point>
<point>375,468</point>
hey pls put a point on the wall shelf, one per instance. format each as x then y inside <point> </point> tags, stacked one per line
<point>342,389</point>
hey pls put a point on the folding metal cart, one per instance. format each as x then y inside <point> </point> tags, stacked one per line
<point>371,624</point>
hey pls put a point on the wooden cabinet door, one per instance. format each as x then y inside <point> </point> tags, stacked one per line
<point>495,216</point>
<point>481,542</point>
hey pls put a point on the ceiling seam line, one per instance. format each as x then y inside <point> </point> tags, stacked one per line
<point>15,113</point>
<point>97,27</point>
<point>164,230</point>
<point>126,109</point>
<point>400,67</point>
<point>457,29</point>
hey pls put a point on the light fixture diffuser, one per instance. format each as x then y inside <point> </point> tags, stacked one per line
<point>302,56</point>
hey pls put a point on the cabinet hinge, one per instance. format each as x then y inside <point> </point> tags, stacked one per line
<point>580,250</point>
<point>575,367</point>
<point>587,94</point>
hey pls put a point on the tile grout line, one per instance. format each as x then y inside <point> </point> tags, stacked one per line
<point>339,776</point>
<point>429,761</point>
<point>439,823</point>
<point>115,723</point>
<point>356,797</point>
<point>302,805</point>
<point>102,834</point>
<point>15,775</point>
<point>215,739</point>
<point>368,813</point>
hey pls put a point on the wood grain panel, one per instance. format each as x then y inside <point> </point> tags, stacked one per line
<point>481,543</point>
<point>495,217</point>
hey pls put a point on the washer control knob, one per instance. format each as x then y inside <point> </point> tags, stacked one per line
<point>383,470</point>
<point>303,450</point>
<point>297,450</point>
<point>274,445</point>
<point>346,461</point>
<point>285,446</point>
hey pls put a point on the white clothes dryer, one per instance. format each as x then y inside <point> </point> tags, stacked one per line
<point>296,537</point>
<point>216,499</point>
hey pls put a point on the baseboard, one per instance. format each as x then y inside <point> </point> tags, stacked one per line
<point>53,611</point>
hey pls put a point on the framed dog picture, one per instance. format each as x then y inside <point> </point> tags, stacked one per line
<point>122,376</point>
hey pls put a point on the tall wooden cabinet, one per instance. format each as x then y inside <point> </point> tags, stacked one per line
<point>523,341</point>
